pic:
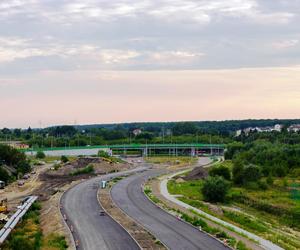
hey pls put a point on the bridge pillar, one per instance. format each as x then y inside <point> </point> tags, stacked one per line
<point>145,152</point>
<point>193,152</point>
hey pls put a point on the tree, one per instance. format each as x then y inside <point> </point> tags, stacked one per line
<point>4,176</point>
<point>184,128</point>
<point>64,159</point>
<point>220,171</point>
<point>215,189</point>
<point>40,155</point>
<point>251,173</point>
<point>238,172</point>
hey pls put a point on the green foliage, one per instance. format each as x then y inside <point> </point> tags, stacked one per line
<point>56,166</point>
<point>64,159</point>
<point>246,221</point>
<point>87,170</point>
<point>104,154</point>
<point>4,176</point>
<point>241,246</point>
<point>55,241</point>
<point>270,180</point>
<point>12,157</point>
<point>27,235</point>
<point>220,171</point>
<point>215,189</point>
<point>245,174</point>
<point>40,155</point>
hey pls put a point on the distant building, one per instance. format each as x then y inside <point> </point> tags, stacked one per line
<point>137,131</point>
<point>277,127</point>
<point>15,144</point>
<point>238,132</point>
<point>294,128</point>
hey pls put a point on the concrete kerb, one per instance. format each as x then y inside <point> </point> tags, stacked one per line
<point>98,194</point>
<point>183,220</point>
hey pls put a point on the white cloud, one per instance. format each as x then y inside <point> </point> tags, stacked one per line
<point>117,56</point>
<point>285,44</point>
<point>169,58</point>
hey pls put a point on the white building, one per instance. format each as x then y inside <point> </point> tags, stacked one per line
<point>294,128</point>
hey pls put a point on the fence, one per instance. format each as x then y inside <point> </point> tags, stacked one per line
<point>15,218</point>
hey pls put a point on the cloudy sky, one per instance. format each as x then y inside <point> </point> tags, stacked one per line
<point>102,61</point>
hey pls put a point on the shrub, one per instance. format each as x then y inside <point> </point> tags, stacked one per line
<point>56,166</point>
<point>4,176</point>
<point>220,171</point>
<point>215,189</point>
<point>103,154</point>
<point>40,155</point>
<point>87,170</point>
<point>251,173</point>
<point>270,180</point>
<point>64,159</point>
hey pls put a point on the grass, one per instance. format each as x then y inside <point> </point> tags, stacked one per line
<point>171,160</point>
<point>189,189</point>
<point>54,241</point>
<point>152,197</point>
<point>87,170</point>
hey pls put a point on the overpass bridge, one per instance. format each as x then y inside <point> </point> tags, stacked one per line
<point>172,149</point>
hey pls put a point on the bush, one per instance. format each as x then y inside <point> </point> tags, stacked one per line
<point>270,180</point>
<point>215,189</point>
<point>23,167</point>
<point>40,155</point>
<point>87,170</point>
<point>103,154</point>
<point>64,159</point>
<point>4,176</point>
<point>245,174</point>
<point>238,172</point>
<point>251,173</point>
<point>220,171</point>
<point>56,166</point>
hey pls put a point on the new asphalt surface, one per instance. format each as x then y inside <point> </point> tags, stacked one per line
<point>93,232</point>
<point>174,233</point>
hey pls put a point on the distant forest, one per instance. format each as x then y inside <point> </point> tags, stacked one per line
<point>150,132</point>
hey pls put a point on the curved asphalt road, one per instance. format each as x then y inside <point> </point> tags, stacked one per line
<point>94,232</point>
<point>175,234</point>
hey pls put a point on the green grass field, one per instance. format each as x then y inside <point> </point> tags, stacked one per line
<point>171,160</point>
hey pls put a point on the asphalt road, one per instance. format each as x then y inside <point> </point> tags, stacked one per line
<point>175,234</point>
<point>94,232</point>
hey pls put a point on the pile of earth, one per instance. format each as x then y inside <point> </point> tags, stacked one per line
<point>197,173</point>
<point>82,162</point>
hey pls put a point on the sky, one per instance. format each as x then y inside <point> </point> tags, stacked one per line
<point>104,61</point>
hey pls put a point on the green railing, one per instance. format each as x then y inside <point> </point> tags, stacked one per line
<point>134,146</point>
